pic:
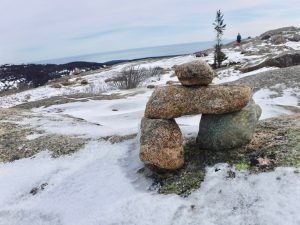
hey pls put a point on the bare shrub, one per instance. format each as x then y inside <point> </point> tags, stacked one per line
<point>151,86</point>
<point>130,77</point>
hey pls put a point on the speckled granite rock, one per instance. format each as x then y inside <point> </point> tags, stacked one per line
<point>228,130</point>
<point>278,39</point>
<point>175,101</point>
<point>196,73</point>
<point>161,143</point>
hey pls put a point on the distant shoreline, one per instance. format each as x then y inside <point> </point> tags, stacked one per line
<point>135,54</point>
<point>115,62</point>
<point>108,63</point>
<point>131,55</point>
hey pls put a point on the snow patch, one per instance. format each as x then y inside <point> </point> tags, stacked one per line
<point>270,102</point>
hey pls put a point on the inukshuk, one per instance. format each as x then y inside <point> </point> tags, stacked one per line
<point>229,116</point>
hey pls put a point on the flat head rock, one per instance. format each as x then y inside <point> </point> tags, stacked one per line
<point>175,101</point>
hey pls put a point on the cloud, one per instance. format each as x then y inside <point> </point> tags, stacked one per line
<point>33,30</point>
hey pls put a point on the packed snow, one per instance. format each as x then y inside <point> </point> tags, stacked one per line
<point>273,106</point>
<point>293,45</point>
<point>101,185</point>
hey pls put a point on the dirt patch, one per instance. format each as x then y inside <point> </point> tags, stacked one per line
<point>114,139</point>
<point>6,114</point>
<point>15,145</point>
<point>58,100</point>
<point>275,143</point>
<point>80,97</point>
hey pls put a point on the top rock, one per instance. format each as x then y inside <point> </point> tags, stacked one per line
<point>196,73</point>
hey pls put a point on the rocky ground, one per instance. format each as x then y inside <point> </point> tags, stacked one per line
<point>276,143</point>
<point>276,80</point>
<point>19,141</point>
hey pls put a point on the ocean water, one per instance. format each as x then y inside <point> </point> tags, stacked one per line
<point>166,50</point>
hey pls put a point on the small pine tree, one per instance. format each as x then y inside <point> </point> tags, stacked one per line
<point>219,26</point>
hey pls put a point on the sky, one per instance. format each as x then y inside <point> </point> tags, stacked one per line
<point>34,30</point>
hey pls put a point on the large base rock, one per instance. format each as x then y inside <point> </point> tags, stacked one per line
<point>161,143</point>
<point>228,130</point>
<point>176,101</point>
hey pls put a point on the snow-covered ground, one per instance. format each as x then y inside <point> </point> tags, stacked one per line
<point>272,106</point>
<point>100,184</point>
<point>6,85</point>
<point>293,45</point>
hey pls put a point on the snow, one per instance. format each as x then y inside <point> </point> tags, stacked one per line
<point>267,198</point>
<point>230,75</point>
<point>170,62</point>
<point>272,106</point>
<point>293,45</point>
<point>101,185</point>
<point>236,56</point>
<point>101,115</point>
<point>33,136</point>
<point>101,118</point>
<point>189,125</point>
<point>96,82</point>
<point>8,85</point>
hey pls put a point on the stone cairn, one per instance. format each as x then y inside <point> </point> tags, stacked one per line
<point>229,116</point>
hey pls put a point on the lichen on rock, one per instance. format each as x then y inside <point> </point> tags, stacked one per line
<point>276,143</point>
<point>196,73</point>
<point>175,101</point>
<point>161,143</point>
<point>15,145</point>
<point>228,130</point>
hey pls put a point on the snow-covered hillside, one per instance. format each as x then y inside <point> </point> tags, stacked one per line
<point>101,184</point>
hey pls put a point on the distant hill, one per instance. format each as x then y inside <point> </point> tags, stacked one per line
<point>34,75</point>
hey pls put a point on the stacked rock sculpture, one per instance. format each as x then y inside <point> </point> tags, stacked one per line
<point>229,116</point>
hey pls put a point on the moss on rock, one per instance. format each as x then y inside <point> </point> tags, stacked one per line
<point>15,145</point>
<point>276,143</point>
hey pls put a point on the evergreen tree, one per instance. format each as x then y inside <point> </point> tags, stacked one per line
<point>219,27</point>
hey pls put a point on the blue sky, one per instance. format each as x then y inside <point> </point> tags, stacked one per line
<point>33,30</point>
